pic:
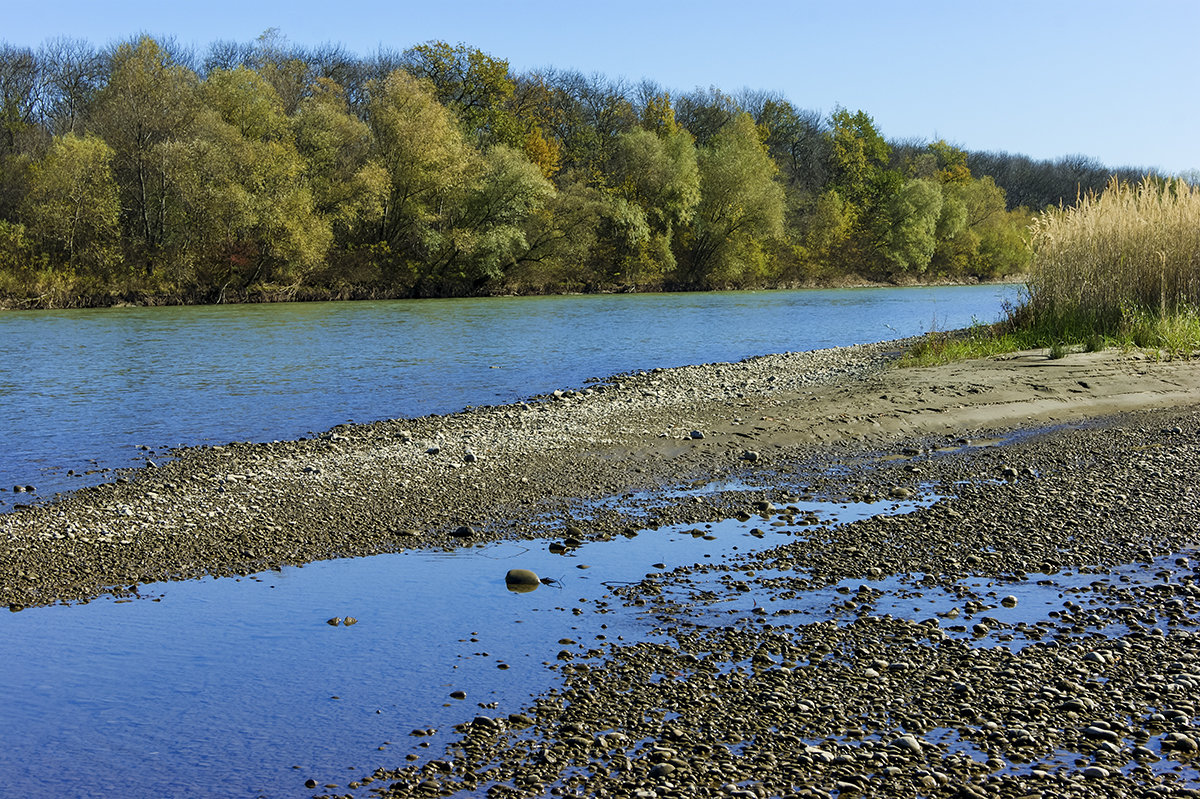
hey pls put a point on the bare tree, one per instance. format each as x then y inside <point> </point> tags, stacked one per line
<point>72,72</point>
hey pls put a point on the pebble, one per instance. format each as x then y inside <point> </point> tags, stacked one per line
<point>521,577</point>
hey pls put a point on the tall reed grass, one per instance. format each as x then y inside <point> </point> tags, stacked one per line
<point>1115,259</point>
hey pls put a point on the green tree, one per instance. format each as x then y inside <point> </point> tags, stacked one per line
<point>472,84</point>
<point>72,207</point>
<point>858,155</point>
<point>146,108</point>
<point>910,225</point>
<point>245,100</point>
<point>563,251</point>
<point>741,206</point>
<point>826,233</point>
<point>419,144</point>
<point>655,182</point>
<point>991,242</point>
<point>22,140</point>
<point>349,187</point>
<point>659,173</point>
<point>482,232</point>
<point>19,258</point>
<point>252,212</point>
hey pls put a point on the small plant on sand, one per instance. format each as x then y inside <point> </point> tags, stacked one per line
<point>977,341</point>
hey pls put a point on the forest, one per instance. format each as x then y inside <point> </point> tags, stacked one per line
<point>144,172</point>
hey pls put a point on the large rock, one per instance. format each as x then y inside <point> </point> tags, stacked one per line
<point>521,581</point>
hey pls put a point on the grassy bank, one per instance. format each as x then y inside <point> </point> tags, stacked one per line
<point>1120,268</point>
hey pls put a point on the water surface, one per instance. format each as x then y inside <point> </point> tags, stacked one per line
<point>240,687</point>
<point>85,389</point>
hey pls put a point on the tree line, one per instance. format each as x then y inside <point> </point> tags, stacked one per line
<point>144,172</point>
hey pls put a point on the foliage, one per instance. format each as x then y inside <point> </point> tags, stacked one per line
<point>482,233</point>
<point>741,206</point>
<point>978,341</point>
<point>859,156</point>
<point>72,206</point>
<point>267,169</point>
<point>419,144</point>
<point>911,224</point>
<point>655,184</point>
<point>147,106</point>
<point>1122,268</point>
<point>1036,185</point>
<point>348,184</point>
<point>475,86</point>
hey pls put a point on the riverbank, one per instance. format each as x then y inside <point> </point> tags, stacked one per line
<point>58,300</point>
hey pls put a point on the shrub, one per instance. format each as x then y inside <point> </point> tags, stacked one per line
<point>1128,251</point>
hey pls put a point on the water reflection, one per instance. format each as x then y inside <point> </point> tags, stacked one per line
<point>245,687</point>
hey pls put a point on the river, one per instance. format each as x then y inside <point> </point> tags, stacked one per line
<point>239,687</point>
<point>83,392</point>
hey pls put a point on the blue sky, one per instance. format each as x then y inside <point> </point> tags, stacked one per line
<point>1111,80</point>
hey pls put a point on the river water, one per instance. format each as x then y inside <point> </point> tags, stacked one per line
<point>90,390</point>
<point>239,688</point>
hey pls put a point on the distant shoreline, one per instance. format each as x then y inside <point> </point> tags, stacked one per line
<point>364,294</point>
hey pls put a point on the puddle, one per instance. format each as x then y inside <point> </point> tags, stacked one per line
<point>1013,613</point>
<point>1066,761</point>
<point>631,502</point>
<point>240,687</point>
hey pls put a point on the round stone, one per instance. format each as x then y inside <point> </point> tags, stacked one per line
<point>521,581</point>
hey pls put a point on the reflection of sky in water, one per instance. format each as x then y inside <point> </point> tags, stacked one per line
<point>221,686</point>
<point>95,384</point>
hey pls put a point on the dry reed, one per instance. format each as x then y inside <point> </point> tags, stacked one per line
<point>1130,251</point>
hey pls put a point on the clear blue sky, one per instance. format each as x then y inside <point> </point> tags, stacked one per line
<point>1114,80</point>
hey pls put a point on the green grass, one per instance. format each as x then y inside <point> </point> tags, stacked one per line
<point>1164,337</point>
<point>978,341</point>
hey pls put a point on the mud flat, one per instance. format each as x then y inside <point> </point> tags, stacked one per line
<point>1031,632</point>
